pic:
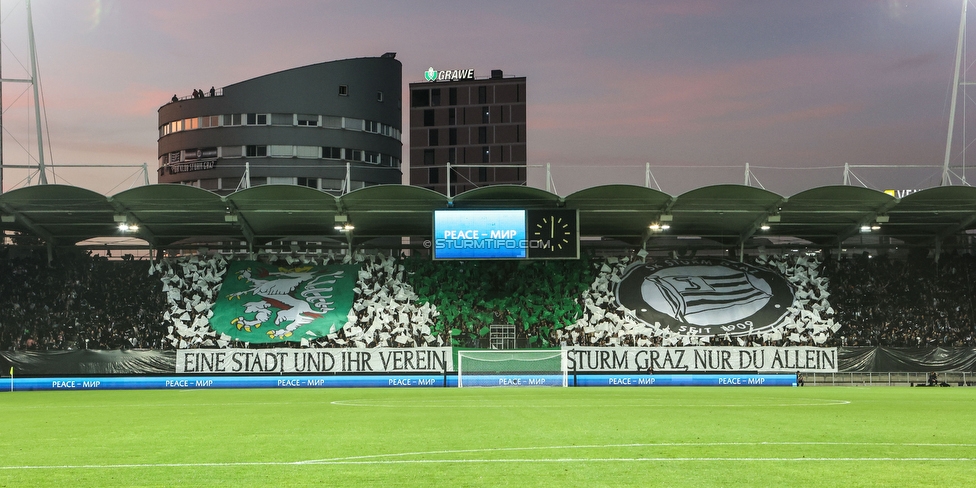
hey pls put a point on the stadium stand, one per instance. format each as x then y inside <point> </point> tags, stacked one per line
<point>904,303</point>
<point>85,301</point>
<point>82,302</point>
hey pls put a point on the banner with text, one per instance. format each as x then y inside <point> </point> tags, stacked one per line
<point>373,360</point>
<point>582,359</point>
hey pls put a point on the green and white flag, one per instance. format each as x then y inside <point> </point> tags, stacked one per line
<point>264,303</point>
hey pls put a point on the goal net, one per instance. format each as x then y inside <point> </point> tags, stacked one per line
<point>512,368</point>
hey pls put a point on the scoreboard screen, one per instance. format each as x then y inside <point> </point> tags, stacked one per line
<point>506,234</point>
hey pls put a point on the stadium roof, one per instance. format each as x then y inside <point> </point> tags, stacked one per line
<point>177,215</point>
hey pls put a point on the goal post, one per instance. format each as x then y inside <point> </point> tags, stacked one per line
<point>485,367</point>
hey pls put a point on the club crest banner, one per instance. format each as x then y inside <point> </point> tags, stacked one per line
<point>261,303</point>
<point>705,297</point>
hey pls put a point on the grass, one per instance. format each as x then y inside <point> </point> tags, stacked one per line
<point>814,436</point>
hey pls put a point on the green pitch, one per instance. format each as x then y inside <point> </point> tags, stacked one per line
<point>579,437</point>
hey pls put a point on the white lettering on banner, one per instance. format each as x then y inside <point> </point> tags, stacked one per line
<point>701,359</point>
<point>380,360</point>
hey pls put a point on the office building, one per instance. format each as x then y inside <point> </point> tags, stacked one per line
<point>475,126</point>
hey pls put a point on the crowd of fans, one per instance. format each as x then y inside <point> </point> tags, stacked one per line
<point>78,302</point>
<point>910,302</point>
<point>83,301</point>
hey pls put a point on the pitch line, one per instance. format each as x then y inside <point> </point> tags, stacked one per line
<point>375,459</point>
<point>476,404</point>
<point>494,461</point>
<point>158,405</point>
<point>613,446</point>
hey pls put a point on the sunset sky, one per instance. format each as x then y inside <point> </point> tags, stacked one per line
<point>695,88</point>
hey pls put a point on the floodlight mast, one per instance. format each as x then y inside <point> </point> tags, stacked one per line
<point>955,93</point>
<point>42,170</point>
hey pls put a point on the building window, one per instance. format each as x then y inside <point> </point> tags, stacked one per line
<point>482,174</point>
<point>332,184</point>
<point>482,135</point>
<point>420,98</point>
<point>281,151</point>
<point>372,157</point>
<point>485,115</point>
<point>452,96</point>
<point>482,94</point>
<point>256,151</point>
<point>432,137</point>
<point>352,124</point>
<point>485,154</point>
<point>354,155</point>
<point>435,97</point>
<point>257,119</point>
<point>452,136</point>
<point>379,96</point>
<point>231,152</point>
<point>371,126</point>
<point>428,118</point>
<point>452,116</point>
<point>433,176</point>
<point>282,119</point>
<point>305,120</point>
<point>232,119</point>
<point>309,182</point>
<point>331,153</point>
<point>307,152</point>
<point>428,157</point>
<point>452,155</point>
<point>331,122</point>
<point>343,90</point>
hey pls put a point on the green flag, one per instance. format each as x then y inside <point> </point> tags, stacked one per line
<point>264,303</point>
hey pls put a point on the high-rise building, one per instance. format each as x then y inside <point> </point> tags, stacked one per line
<point>333,126</point>
<point>475,126</point>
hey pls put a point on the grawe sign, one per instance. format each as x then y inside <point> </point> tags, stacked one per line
<point>448,75</point>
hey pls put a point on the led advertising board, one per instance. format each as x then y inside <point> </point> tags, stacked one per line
<point>506,234</point>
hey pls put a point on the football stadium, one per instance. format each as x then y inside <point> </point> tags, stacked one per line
<point>297,299</point>
<point>393,335</point>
